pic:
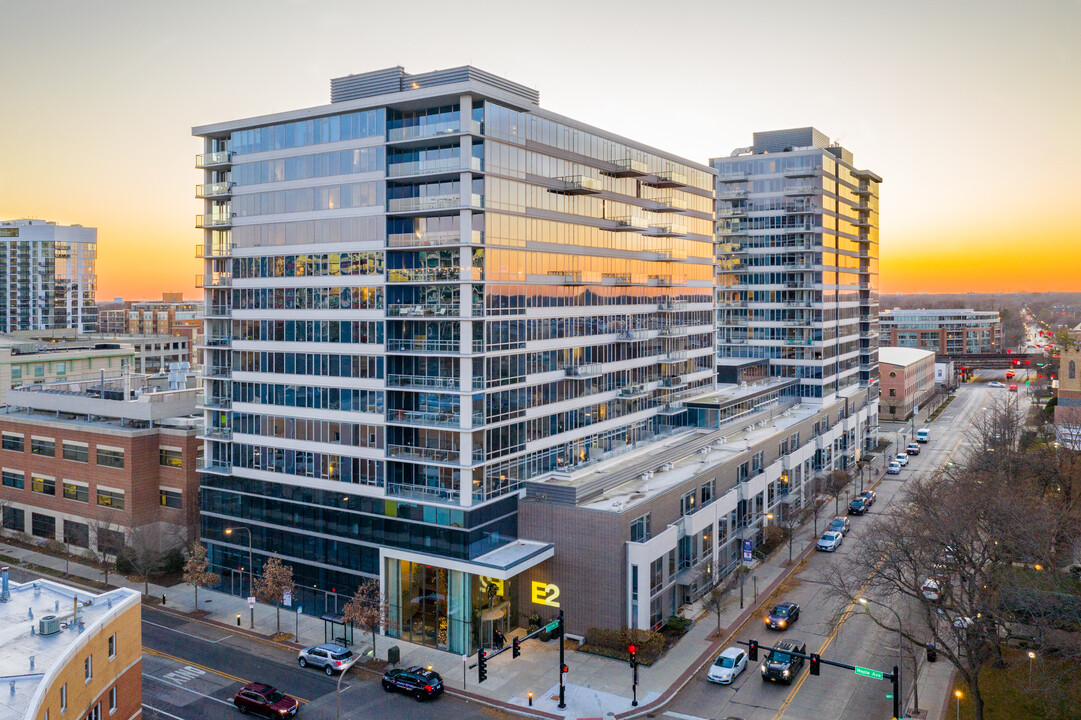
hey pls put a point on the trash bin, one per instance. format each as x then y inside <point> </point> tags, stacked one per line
<point>932,654</point>
<point>394,655</point>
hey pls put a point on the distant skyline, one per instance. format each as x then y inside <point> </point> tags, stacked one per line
<point>967,111</point>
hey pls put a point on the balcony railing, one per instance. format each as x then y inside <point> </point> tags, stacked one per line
<point>628,167</point>
<point>220,403</point>
<point>215,466</point>
<point>423,417</point>
<point>219,433</point>
<point>668,203</point>
<point>421,345</point>
<point>214,250</point>
<point>628,223</point>
<point>428,202</point>
<point>429,239</point>
<point>674,331</point>
<point>667,178</point>
<point>673,381</point>
<point>577,185</point>
<point>220,371</point>
<point>433,310</point>
<point>445,274</point>
<point>204,281</point>
<point>424,381</point>
<point>633,392</point>
<point>732,177</point>
<point>674,356</point>
<point>424,167</point>
<point>213,159</point>
<point>671,306</point>
<point>218,341</point>
<point>667,230</point>
<point>587,370</point>
<point>213,221</point>
<point>212,190</point>
<point>633,335</point>
<point>440,455</point>
<point>414,132</point>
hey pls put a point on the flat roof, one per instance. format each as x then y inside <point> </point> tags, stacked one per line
<point>31,601</point>
<point>902,356</point>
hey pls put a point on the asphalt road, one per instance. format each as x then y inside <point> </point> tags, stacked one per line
<point>191,672</point>
<point>856,640</point>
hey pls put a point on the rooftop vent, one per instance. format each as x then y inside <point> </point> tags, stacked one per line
<point>49,625</point>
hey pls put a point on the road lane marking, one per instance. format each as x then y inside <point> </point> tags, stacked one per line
<point>681,716</point>
<point>187,689</point>
<point>159,711</point>
<point>227,676</point>
<point>181,632</point>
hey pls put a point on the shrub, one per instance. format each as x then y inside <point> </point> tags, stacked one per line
<point>677,624</point>
<point>649,644</point>
<point>171,562</point>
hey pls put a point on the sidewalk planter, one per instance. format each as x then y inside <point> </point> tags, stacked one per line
<point>613,644</point>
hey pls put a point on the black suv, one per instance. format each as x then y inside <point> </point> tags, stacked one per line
<point>857,506</point>
<point>781,665</point>
<point>417,681</point>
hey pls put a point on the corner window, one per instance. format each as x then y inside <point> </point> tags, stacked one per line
<point>171,457</point>
<point>640,531</point>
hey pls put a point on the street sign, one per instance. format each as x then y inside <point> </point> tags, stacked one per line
<point>300,609</point>
<point>287,599</point>
<point>251,601</point>
<point>748,549</point>
<point>867,672</point>
<point>551,627</point>
<point>890,696</point>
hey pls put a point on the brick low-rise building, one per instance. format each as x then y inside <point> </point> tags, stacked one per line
<point>85,466</point>
<point>946,332</point>
<point>908,380</point>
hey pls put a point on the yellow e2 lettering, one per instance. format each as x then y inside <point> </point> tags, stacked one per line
<point>545,594</point>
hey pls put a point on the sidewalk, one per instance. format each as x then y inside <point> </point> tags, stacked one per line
<point>596,687</point>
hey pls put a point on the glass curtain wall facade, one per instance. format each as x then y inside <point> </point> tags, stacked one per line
<point>48,279</point>
<point>416,300</point>
<point>797,261</point>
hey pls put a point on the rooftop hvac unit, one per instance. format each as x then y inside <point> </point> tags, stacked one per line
<point>666,467</point>
<point>49,625</point>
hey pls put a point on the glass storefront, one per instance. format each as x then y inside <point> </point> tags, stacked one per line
<point>447,609</point>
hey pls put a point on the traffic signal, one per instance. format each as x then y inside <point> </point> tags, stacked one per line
<point>482,666</point>
<point>752,649</point>
<point>633,651</point>
<point>516,649</point>
<point>563,669</point>
<point>816,667</point>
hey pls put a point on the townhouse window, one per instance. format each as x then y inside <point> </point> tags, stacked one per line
<point>43,485</point>
<point>108,497</point>
<point>709,489</point>
<point>687,504</point>
<point>172,498</point>
<point>12,441</point>
<point>757,462</point>
<point>14,479</point>
<point>640,531</point>
<point>656,576</point>
<point>743,472</point>
<point>112,646</point>
<point>79,492</point>
<point>88,668</point>
<point>76,452</point>
<point>112,699</point>
<point>64,698</point>
<point>39,370</point>
<point>45,447</point>
<point>171,457</point>
<point>110,456</point>
<point>16,372</point>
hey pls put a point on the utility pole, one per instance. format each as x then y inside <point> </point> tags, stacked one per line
<point>562,666</point>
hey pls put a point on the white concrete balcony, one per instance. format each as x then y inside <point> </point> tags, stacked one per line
<point>627,167</point>
<point>576,185</point>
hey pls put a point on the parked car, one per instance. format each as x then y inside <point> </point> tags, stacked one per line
<point>894,468</point>
<point>932,589</point>
<point>264,700</point>
<point>782,615</point>
<point>841,525</point>
<point>857,507</point>
<point>912,449</point>
<point>781,665</point>
<point>727,667</point>
<point>1013,388</point>
<point>869,497</point>
<point>332,658</point>
<point>830,541</point>
<point>902,458</point>
<point>420,682</point>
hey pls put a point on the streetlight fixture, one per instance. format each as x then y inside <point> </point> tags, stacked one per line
<point>1031,657</point>
<point>958,695</point>
<point>251,571</point>
<point>900,645</point>
<point>338,691</point>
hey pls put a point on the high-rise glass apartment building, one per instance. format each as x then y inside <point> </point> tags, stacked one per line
<point>47,280</point>
<point>797,249</point>
<point>417,297</point>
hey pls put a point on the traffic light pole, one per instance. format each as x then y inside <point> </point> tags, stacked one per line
<point>895,677</point>
<point>562,667</point>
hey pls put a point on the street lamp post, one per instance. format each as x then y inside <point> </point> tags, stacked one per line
<point>958,694</point>
<point>338,691</point>
<point>251,571</point>
<point>900,647</point>
<point>1031,657</point>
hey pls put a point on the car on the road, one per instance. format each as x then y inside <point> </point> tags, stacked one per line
<point>912,449</point>
<point>782,665</point>
<point>727,667</point>
<point>857,507</point>
<point>841,525</point>
<point>869,497</point>
<point>420,682</point>
<point>332,658</point>
<point>1013,388</point>
<point>996,384</point>
<point>782,615</point>
<point>894,468</point>
<point>829,541</point>
<point>264,700</point>
<point>901,458</point>
<point>935,587</point>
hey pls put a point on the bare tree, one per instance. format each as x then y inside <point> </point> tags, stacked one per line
<point>788,523</point>
<point>814,487</point>
<point>836,482</point>
<point>197,570</point>
<point>144,553</point>
<point>271,586</point>
<point>60,549</point>
<point>715,602</point>
<point>106,544</point>
<point>369,609</point>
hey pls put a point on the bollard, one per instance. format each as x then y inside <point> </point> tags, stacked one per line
<point>238,619</point>
<point>163,598</point>
<point>530,698</point>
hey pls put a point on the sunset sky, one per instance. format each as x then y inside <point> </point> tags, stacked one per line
<point>969,111</point>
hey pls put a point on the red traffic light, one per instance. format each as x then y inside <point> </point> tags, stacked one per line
<point>631,649</point>
<point>1028,362</point>
<point>563,669</point>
